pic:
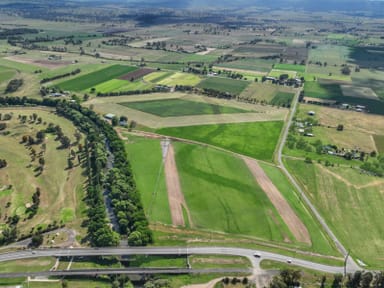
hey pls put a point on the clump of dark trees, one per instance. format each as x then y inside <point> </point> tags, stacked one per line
<point>124,196</point>
<point>13,85</point>
<point>74,72</point>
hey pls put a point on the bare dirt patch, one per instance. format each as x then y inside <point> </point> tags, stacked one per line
<point>175,195</point>
<point>137,74</point>
<point>290,218</point>
<point>209,50</point>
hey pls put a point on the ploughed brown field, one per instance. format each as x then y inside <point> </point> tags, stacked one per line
<point>137,74</point>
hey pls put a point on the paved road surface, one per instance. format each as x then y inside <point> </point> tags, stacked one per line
<point>303,196</point>
<point>25,254</point>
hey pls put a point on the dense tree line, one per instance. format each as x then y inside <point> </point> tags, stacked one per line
<point>124,196</point>
<point>5,33</point>
<point>132,92</point>
<point>205,91</point>
<point>74,72</point>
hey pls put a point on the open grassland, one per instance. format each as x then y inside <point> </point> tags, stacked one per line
<point>180,107</point>
<point>370,78</point>
<point>257,139</point>
<point>116,85</point>
<point>256,113</point>
<point>61,188</point>
<point>90,80</point>
<point>6,73</point>
<point>290,67</point>
<point>347,200</point>
<point>79,282</point>
<point>319,241</point>
<point>145,156</point>
<point>180,79</point>
<point>252,64</point>
<point>221,200</point>
<point>224,85</point>
<point>379,142</point>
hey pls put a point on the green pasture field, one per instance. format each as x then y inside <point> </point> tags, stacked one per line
<point>290,67</point>
<point>154,261</point>
<point>347,199</point>
<point>180,107</point>
<point>332,54</point>
<point>198,58</point>
<point>256,139</point>
<point>72,283</point>
<point>145,156</point>
<point>27,265</point>
<point>6,74</point>
<point>84,67</point>
<point>219,261</point>
<point>92,79</point>
<point>221,200</point>
<point>180,78</point>
<point>282,99</point>
<point>61,189</point>
<point>115,85</point>
<point>320,242</point>
<point>262,91</point>
<point>276,73</point>
<point>323,91</point>
<point>379,141</point>
<point>253,64</point>
<point>156,77</point>
<point>224,84</point>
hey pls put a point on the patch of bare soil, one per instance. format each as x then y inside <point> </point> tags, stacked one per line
<point>290,218</point>
<point>175,195</point>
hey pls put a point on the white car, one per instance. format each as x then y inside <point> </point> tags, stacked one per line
<point>289,261</point>
<point>257,254</point>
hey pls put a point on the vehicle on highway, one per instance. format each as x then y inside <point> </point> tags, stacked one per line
<point>289,261</point>
<point>257,254</point>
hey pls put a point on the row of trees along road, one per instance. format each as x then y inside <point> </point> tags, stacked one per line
<point>119,180</point>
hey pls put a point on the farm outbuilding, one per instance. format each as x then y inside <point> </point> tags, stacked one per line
<point>109,116</point>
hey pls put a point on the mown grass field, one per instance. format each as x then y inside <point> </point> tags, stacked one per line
<point>290,67</point>
<point>61,189</point>
<point>180,107</point>
<point>350,202</point>
<point>256,139</point>
<point>276,73</point>
<point>94,78</point>
<point>264,92</point>
<point>220,199</point>
<point>224,84</point>
<point>156,77</point>
<point>145,157</point>
<point>115,85</point>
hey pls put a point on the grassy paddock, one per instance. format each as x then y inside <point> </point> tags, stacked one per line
<point>145,157</point>
<point>180,107</point>
<point>221,200</point>
<point>180,79</point>
<point>347,199</point>
<point>256,139</point>
<point>290,67</point>
<point>94,78</point>
<point>379,141</point>
<point>224,84</point>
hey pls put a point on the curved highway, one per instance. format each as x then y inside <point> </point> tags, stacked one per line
<point>75,252</point>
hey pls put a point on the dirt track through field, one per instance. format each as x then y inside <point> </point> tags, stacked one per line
<point>175,195</point>
<point>290,218</point>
